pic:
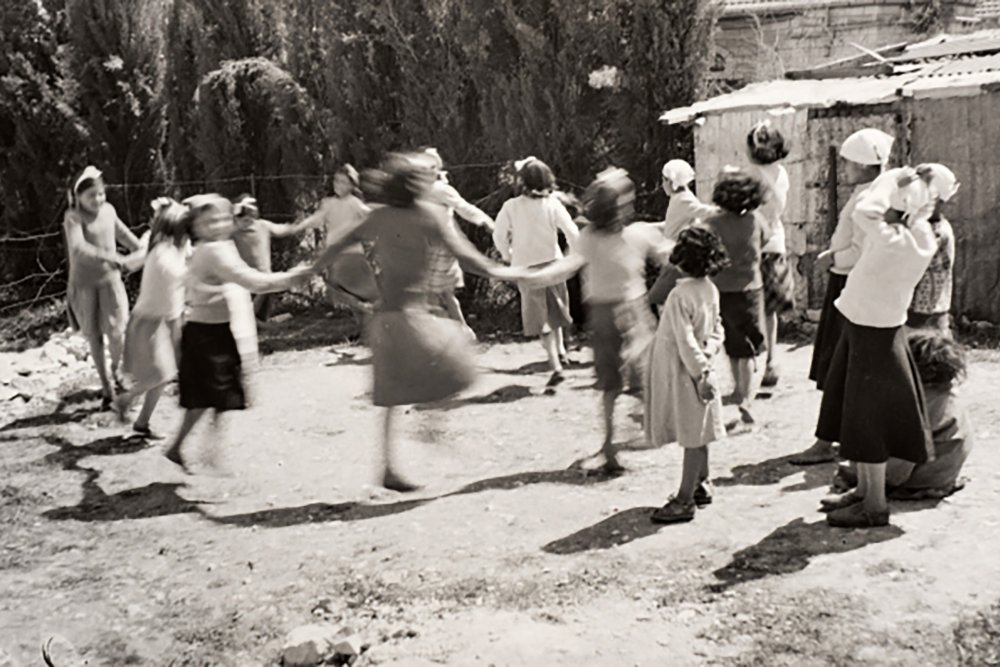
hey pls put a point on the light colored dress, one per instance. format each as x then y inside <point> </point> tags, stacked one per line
<point>688,336</point>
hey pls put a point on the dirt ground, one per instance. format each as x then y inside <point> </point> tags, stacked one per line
<point>506,557</point>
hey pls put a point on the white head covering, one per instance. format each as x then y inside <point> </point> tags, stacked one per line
<point>868,146</point>
<point>911,192</point>
<point>89,172</point>
<point>679,173</point>
<point>523,162</point>
<point>942,180</point>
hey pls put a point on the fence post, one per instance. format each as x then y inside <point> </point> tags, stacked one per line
<point>253,186</point>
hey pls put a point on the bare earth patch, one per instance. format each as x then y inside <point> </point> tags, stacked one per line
<point>509,556</point>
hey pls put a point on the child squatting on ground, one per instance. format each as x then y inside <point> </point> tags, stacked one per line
<point>683,404</point>
<point>95,293</point>
<point>613,255</point>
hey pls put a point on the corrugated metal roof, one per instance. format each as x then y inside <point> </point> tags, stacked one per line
<point>944,46</point>
<point>755,6</point>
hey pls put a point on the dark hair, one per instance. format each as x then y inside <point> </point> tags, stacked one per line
<point>371,182</point>
<point>537,178</point>
<point>351,174</point>
<point>201,203</point>
<point>240,209</point>
<point>603,203</point>
<point>738,192</point>
<point>699,252</point>
<point>939,359</point>
<point>170,221</point>
<point>766,144</point>
<point>407,176</point>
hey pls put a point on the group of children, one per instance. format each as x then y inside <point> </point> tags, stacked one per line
<point>723,283</point>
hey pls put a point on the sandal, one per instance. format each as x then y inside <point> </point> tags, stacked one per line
<point>556,379</point>
<point>674,511</point>
<point>857,516</point>
<point>146,433</point>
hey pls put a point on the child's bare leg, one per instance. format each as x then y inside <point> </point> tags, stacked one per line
<point>611,463</point>
<point>771,339</point>
<point>148,405</point>
<point>100,363</point>
<point>116,347</point>
<point>874,494</point>
<point>390,478</point>
<point>551,345</point>
<point>695,463</point>
<point>453,307</point>
<point>743,378</point>
<point>188,422</point>
<point>560,342</point>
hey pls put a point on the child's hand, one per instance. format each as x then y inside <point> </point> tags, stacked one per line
<point>707,390</point>
<point>824,261</point>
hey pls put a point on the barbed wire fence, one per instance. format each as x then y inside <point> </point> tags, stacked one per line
<point>47,282</point>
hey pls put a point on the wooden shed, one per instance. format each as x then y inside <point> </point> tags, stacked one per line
<point>941,100</point>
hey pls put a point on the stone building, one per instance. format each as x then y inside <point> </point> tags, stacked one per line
<point>758,40</point>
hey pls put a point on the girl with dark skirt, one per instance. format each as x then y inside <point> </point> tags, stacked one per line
<point>211,370</point>
<point>741,302</point>
<point>867,153</point>
<point>873,401</point>
<point>419,354</point>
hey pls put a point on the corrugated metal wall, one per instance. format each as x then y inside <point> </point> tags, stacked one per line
<point>964,133</point>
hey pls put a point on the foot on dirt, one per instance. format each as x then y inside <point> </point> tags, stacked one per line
<point>816,454</point>
<point>394,482</point>
<point>107,403</point>
<point>174,456</point>
<point>556,379</point>
<point>146,433</point>
<point>120,405</point>
<point>745,415</point>
<point>834,503</point>
<point>857,516</point>
<point>612,468</point>
<point>703,494</point>
<point>674,511</point>
<point>770,378</point>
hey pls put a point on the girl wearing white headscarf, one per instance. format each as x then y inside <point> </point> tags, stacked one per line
<point>873,401</point>
<point>866,153</point>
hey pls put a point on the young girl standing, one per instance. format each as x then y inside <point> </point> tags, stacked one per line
<point>766,147</point>
<point>743,234</point>
<point>866,153</point>
<point>211,369</point>
<point>613,255</point>
<point>350,279</point>
<point>683,404</point>
<point>98,305</point>
<point>684,210</point>
<point>873,402</point>
<point>527,235</point>
<point>931,303</point>
<point>154,330</point>
<point>417,355</point>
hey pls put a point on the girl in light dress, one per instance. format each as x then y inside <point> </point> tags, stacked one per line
<point>154,332</point>
<point>683,404</point>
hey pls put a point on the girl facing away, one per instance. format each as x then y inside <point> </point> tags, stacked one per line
<point>153,338</point>
<point>873,400</point>
<point>613,254</point>
<point>683,404</point>
<point>98,305</point>
<point>527,235</point>
<point>418,355</point>
<point>741,302</point>
<point>211,366</point>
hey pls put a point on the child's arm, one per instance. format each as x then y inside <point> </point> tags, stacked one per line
<point>135,259</point>
<point>124,235</point>
<point>557,272</point>
<point>695,361</point>
<point>501,233</point>
<point>469,257</point>
<point>79,246</point>
<point>337,243</point>
<point>279,230</point>
<point>718,335</point>
<point>566,225</point>
<point>448,196</point>
<point>230,267</point>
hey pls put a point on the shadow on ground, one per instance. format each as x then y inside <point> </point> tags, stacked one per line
<point>152,500</point>
<point>61,415</point>
<point>508,394</point>
<point>773,471</point>
<point>282,517</point>
<point>618,529</point>
<point>789,549</point>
